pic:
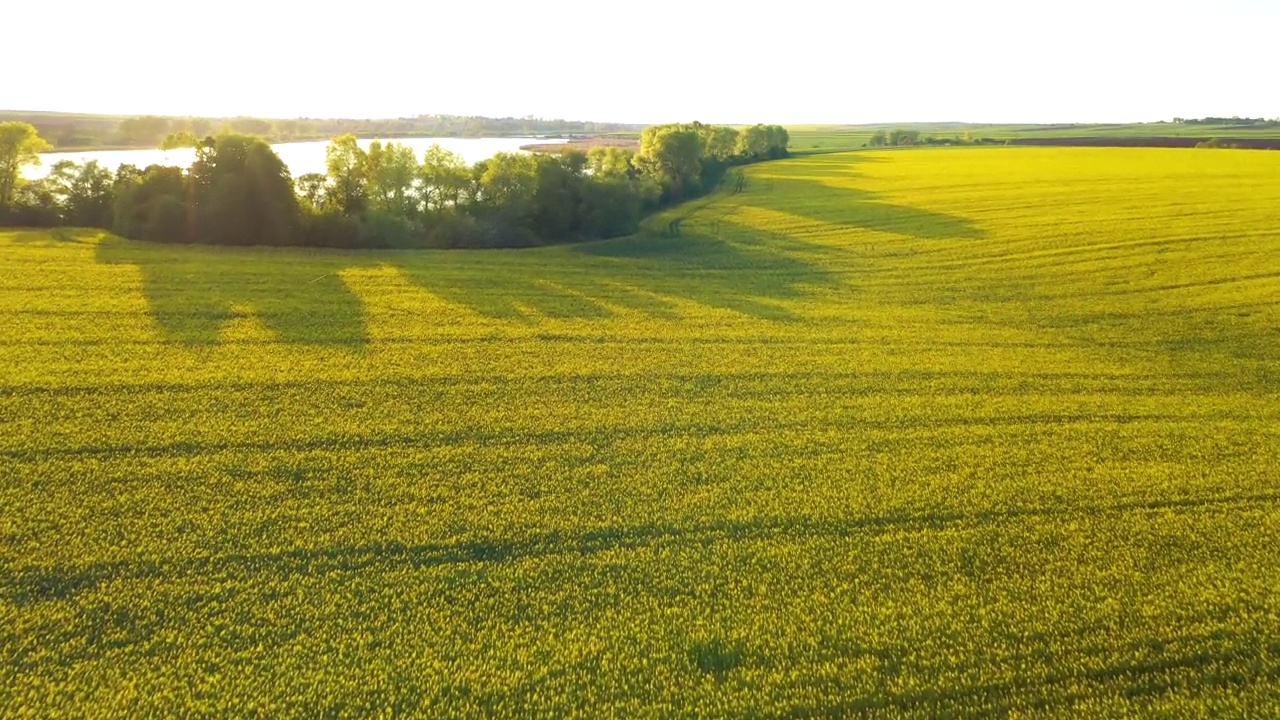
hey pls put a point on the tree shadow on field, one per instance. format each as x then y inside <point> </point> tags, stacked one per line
<point>821,188</point>
<point>713,258</point>
<point>647,273</point>
<point>54,236</point>
<point>299,296</point>
<point>194,291</point>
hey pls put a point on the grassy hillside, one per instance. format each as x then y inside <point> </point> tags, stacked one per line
<point>966,431</point>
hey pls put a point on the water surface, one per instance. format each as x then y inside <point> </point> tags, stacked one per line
<point>301,157</point>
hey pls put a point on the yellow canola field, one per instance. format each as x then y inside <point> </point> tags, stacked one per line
<point>973,431</point>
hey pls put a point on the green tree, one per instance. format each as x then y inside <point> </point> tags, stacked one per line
<point>611,163</point>
<point>150,204</point>
<point>558,196</point>
<point>754,142</point>
<point>83,193</point>
<point>779,138</point>
<point>37,204</point>
<point>899,138</point>
<point>345,164</point>
<point>445,178</point>
<point>878,139</point>
<point>20,145</point>
<point>241,193</point>
<point>672,156</point>
<point>504,205</point>
<point>393,173</point>
<point>180,139</point>
<point>508,184</point>
<point>719,142</point>
<point>311,187</point>
<point>610,207</point>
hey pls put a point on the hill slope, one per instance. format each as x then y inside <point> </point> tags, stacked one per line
<point>970,430</point>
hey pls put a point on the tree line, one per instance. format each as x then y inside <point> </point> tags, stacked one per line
<point>912,138</point>
<point>1237,121</point>
<point>239,192</point>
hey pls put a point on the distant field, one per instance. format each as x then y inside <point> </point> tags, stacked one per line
<point>829,138</point>
<point>845,137</point>
<point>954,432</point>
<point>1131,130</point>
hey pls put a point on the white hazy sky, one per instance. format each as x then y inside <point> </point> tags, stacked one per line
<point>788,61</point>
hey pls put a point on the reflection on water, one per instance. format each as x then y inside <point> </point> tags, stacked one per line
<point>301,157</point>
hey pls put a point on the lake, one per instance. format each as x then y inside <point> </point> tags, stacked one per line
<point>301,157</point>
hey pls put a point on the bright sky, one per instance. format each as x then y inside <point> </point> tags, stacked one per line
<point>791,61</point>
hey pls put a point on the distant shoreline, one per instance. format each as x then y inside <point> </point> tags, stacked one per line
<point>584,144</point>
<point>319,138</point>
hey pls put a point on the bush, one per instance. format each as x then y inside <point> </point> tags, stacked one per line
<point>167,221</point>
<point>1212,143</point>
<point>904,138</point>
<point>496,233</point>
<point>382,229</point>
<point>455,230</point>
<point>142,196</point>
<point>330,228</point>
<point>24,215</point>
<point>609,209</point>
